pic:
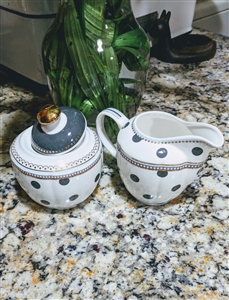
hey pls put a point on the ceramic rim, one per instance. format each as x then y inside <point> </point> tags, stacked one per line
<point>159,167</point>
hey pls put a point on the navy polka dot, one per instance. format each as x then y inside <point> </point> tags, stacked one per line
<point>136,138</point>
<point>64,181</point>
<point>134,178</point>
<point>147,196</point>
<point>176,187</point>
<point>197,151</point>
<point>97,177</point>
<point>162,173</point>
<point>162,152</point>
<point>35,184</point>
<point>45,202</point>
<point>74,197</point>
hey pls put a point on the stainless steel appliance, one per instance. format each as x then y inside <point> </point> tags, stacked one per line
<point>23,26</point>
<point>25,22</point>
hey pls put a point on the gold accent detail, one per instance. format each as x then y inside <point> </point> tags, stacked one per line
<point>48,114</point>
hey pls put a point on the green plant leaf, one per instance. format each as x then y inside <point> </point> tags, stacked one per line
<point>82,60</point>
<point>135,39</point>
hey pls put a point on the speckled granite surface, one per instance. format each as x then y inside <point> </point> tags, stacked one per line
<point>111,246</point>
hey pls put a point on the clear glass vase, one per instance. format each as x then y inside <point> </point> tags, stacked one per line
<point>95,56</point>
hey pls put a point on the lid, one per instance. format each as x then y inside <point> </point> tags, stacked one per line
<point>57,129</point>
<point>31,162</point>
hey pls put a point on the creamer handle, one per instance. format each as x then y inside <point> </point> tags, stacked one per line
<point>120,120</point>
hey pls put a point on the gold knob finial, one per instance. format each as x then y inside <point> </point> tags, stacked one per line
<point>48,114</point>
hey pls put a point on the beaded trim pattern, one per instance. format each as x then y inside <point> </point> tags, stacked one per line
<point>55,168</point>
<point>44,151</point>
<point>161,142</point>
<point>155,167</point>
<point>58,177</point>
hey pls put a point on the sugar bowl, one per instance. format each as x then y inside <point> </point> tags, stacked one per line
<point>58,160</point>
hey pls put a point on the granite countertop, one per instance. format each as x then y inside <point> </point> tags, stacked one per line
<point>112,246</point>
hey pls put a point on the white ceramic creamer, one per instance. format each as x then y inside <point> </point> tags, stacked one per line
<point>158,154</point>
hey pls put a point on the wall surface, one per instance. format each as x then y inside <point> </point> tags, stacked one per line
<point>212,15</point>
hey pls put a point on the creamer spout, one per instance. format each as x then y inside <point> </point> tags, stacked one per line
<point>207,133</point>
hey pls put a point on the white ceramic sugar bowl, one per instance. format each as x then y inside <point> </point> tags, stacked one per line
<point>58,160</point>
<point>158,154</point>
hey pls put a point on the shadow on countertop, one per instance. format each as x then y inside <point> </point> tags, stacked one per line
<point>7,75</point>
